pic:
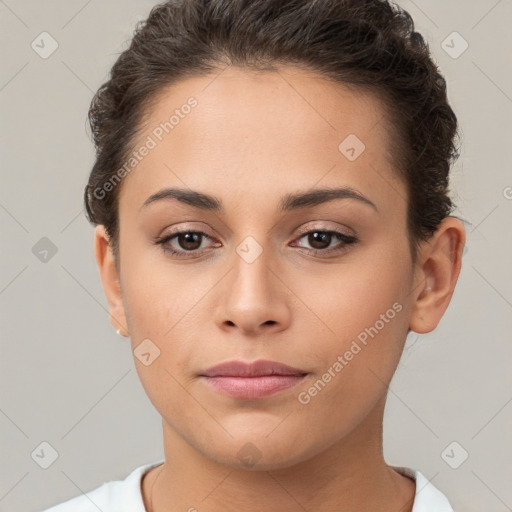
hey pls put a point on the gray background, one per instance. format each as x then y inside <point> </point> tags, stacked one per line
<point>66,379</point>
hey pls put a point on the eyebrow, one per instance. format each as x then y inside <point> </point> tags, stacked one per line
<point>289,202</point>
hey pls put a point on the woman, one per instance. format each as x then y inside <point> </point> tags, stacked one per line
<point>272,216</point>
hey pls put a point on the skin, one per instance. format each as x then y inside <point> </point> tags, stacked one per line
<point>253,138</point>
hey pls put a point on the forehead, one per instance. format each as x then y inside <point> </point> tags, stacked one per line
<point>263,131</point>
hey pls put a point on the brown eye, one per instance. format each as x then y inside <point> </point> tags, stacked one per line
<point>189,240</point>
<point>320,240</point>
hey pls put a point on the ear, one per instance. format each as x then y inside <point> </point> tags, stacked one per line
<point>110,279</point>
<point>437,270</point>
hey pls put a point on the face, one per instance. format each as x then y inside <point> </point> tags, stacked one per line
<point>324,286</point>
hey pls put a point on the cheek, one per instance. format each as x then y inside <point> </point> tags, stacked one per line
<point>161,309</point>
<point>157,293</point>
<point>369,285</point>
<point>362,317</point>
<point>357,363</point>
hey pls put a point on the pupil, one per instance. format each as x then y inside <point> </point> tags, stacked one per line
<point>190,238</point>
<point>319,237</point>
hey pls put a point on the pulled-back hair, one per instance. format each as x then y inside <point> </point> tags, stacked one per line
<point>368,44</point>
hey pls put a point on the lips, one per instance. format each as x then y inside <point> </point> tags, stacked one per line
<point>252,381</point>
<point>258,368</point>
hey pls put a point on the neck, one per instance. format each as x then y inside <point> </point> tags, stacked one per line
<point>351,475</point>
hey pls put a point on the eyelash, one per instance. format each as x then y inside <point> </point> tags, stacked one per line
<point>345,239</point>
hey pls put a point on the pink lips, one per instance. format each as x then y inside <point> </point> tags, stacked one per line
<point>249,381</point>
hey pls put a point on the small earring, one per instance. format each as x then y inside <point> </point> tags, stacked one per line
<point>118,332</point>
<point>428,289</point>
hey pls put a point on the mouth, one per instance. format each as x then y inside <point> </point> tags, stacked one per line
<point>250,381</point>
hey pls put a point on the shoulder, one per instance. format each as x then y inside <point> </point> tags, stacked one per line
<point>427,497</point>
<point>111,496</point>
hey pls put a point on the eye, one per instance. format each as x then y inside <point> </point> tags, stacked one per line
<point>320,240</point>
<point>188,240</point>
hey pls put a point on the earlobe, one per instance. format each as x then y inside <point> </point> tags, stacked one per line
<point>110,279</point>
<point>438,268</point>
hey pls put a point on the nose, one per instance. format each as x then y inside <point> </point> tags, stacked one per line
<point>253,299</point>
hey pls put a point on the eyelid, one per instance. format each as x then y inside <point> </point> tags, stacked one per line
<point>323,227</point>
<point>184,227</point>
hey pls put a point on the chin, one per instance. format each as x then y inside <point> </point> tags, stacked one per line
<point>263,453</point>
